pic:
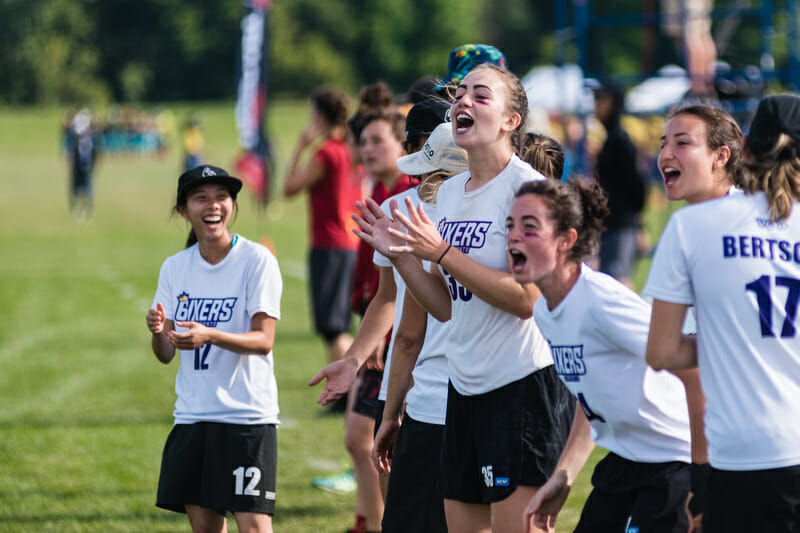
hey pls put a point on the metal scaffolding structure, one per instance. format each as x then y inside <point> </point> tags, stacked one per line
<point>575,25</point>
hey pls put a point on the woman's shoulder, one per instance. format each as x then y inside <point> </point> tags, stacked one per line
<point>518,172</point>
<point>263,249</point>
<point>184,255</point>
<point>452,184</point>
<point>717,211</point>
<point>600,286</point>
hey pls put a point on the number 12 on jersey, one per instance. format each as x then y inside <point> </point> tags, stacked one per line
<point>201,357</point>
<point>763,289</point>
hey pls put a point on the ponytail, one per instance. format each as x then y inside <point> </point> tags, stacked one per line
<point>776,172</point>
<point>595,208</point>
<point>191,239</point>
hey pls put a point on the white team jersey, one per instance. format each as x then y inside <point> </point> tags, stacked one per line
<point>742,273</point>
<point>427,398</point>
<point>486,347</point>
<point>381,261</point>
<point>598,336</point>
<point>213,384</point>
<point>690,323</point>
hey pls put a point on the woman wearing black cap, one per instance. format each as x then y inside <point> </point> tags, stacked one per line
<point>217,303</point>
<point>737,260</point>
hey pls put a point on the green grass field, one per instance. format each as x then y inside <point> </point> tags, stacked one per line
<point>85,407</point>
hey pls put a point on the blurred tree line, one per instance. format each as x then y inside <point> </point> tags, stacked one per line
<point>91,51</point>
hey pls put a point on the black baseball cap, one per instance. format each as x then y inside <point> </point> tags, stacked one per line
<point>423,118</point>
<point>205,174</point>
<point>775,115</point>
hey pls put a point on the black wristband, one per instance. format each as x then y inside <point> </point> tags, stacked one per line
<point>438,261</point>
<point>698,475</point>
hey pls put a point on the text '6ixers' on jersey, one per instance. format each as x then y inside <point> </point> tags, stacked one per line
<point>598,337</point>
<point>486,346</point>
<point>741,271</point>
<point>214,384</point>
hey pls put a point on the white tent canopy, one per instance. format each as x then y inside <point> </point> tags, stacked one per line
<point>565,89</point>
<point>558,89</point>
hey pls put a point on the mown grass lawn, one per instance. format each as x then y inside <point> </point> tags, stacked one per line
<point>84,405</point>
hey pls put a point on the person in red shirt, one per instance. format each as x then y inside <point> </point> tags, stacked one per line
<point>334,184</point>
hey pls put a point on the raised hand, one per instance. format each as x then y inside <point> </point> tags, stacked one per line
<point>310,134</point>
<point>374,227</point>
<point>421,236</point>
<point>156,318</point>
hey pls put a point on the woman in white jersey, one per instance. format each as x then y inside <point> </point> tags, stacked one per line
<point>383,313</point>
<point>597,332</point>
<point>418,378</point>
<point>507,412</point>
<point>217,304</point>
<point>737,260</point>
<point>699,160</point>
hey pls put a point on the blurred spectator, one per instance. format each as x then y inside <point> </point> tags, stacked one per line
<point>617,171</point>
<point>193,143</point>
<point>81,148</point>
<point>333,187</point>
<point>689,23</point>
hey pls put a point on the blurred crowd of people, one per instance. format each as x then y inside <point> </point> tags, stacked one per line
<point>124,130</point>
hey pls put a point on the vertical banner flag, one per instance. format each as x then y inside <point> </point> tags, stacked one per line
<point>254,161</point>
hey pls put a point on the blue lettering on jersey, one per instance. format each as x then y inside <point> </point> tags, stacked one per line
<point>750,246</point>
<point>774,224</point>
<point>206,311</point>
<point>568,361</point>
<point>501,482</point>
<point>464,234</point>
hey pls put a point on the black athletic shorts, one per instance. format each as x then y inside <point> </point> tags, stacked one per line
<point>331,277</point>
<point>414,500</point>
<point>755,500</point>
<point>366,402</point>
<point>634,497</point>
<point>225,467</point>
<point>505,438</point>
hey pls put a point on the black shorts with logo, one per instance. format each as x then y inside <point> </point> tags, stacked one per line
<point>754,500</point>
<point>505,438</point>
<point>632,497</point>
<point>225,467</point>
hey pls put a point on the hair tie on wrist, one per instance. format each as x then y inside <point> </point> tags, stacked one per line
<point>439,261</point>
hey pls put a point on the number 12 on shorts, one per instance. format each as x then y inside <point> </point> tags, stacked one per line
<point>253,475</point>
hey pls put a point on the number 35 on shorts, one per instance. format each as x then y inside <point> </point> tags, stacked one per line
<point>246,481</point>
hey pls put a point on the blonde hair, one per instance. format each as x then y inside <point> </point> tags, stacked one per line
<point>775,170</point>
<point>429,186</point>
